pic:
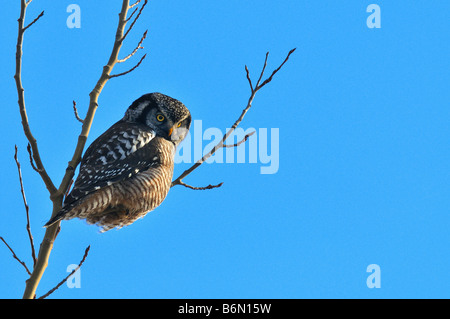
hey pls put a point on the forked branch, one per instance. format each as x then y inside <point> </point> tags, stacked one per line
<point>136,49</point>
<point>130,70</point>
<point>135,19</point>
<point>21,97</point>
<point>134,4</point>
<point>34,21</point>
<point>27,208</point>
<point>57,194</point>
<point>221,144</point>
<point>68,276</point>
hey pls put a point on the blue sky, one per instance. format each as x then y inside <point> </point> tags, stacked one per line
<point>363,121</point>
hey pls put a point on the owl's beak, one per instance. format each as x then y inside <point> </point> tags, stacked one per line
<point>170,131</point>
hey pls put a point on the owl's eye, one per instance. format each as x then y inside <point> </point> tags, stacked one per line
<point>179,124</point>
<point>160,117</point>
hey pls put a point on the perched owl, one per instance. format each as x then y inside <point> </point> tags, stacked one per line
<point>127,171</point>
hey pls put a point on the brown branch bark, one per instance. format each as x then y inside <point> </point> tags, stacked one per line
<point>56,195</point>
<point>68,276</point>
<point>21,98</point>
<point>27,208</point>
<point>30,153</point>
<point>221,144</point>
<point>200,188</point>
<point>240,142</point>
<point>134,4</point>
<point>75,110</point>
<point>135,50</point>
<point>15,256</point>
<point>34,21</point>
<point>130,70</point>
<point>134,21</point>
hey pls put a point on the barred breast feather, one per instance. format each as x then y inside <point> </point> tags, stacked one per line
<point>124,174</point>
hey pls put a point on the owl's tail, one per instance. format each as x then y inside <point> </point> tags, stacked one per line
<point>59,216</point>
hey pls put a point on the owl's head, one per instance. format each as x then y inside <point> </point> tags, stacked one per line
<point>169,118</point>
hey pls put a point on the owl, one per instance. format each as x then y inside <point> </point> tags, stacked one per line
<point>127,171</point>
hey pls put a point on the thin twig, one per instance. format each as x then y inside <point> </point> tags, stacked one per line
<point>240,142</point>
<point>15,256</point>
<point>65,279</point>
<point>130,70</point>
<point>221,144</point>
<point>27,208</point>
<point>262,71</point>
<point>277,69</point>
<point>76,112</point>
<point>248,78</point>
<point>21,99</point>
<point>131,15</point>
<point>135,50</point>
<point>34,21</point>
<point>200,188</point>
<point>134,4</point>
<point>134,21</point>
<point>30,153</point>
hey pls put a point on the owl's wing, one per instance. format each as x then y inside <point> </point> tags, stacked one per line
<point>119,153</point>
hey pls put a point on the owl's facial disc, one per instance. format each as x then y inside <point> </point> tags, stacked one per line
<point>168,117</point>
<point>159,122</point>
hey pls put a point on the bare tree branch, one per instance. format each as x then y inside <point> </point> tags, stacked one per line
<point>76,112</point>
<point>27,208</point>
<point>30,153</point>
<point>15,256</point>
<point>134,4</point>
<point>263,69</point>
<point>130,70</point>
<point>57,195</point>
<point>134,21</point>
<point>221,144</point>
<point>131,15</point>
<point>21,98</point>
<point>34,21</point>
<point>276,70</point>
<point>135,50</point>
<point>200,188</point>
<point>241,141</point>
<point>65,279</point>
